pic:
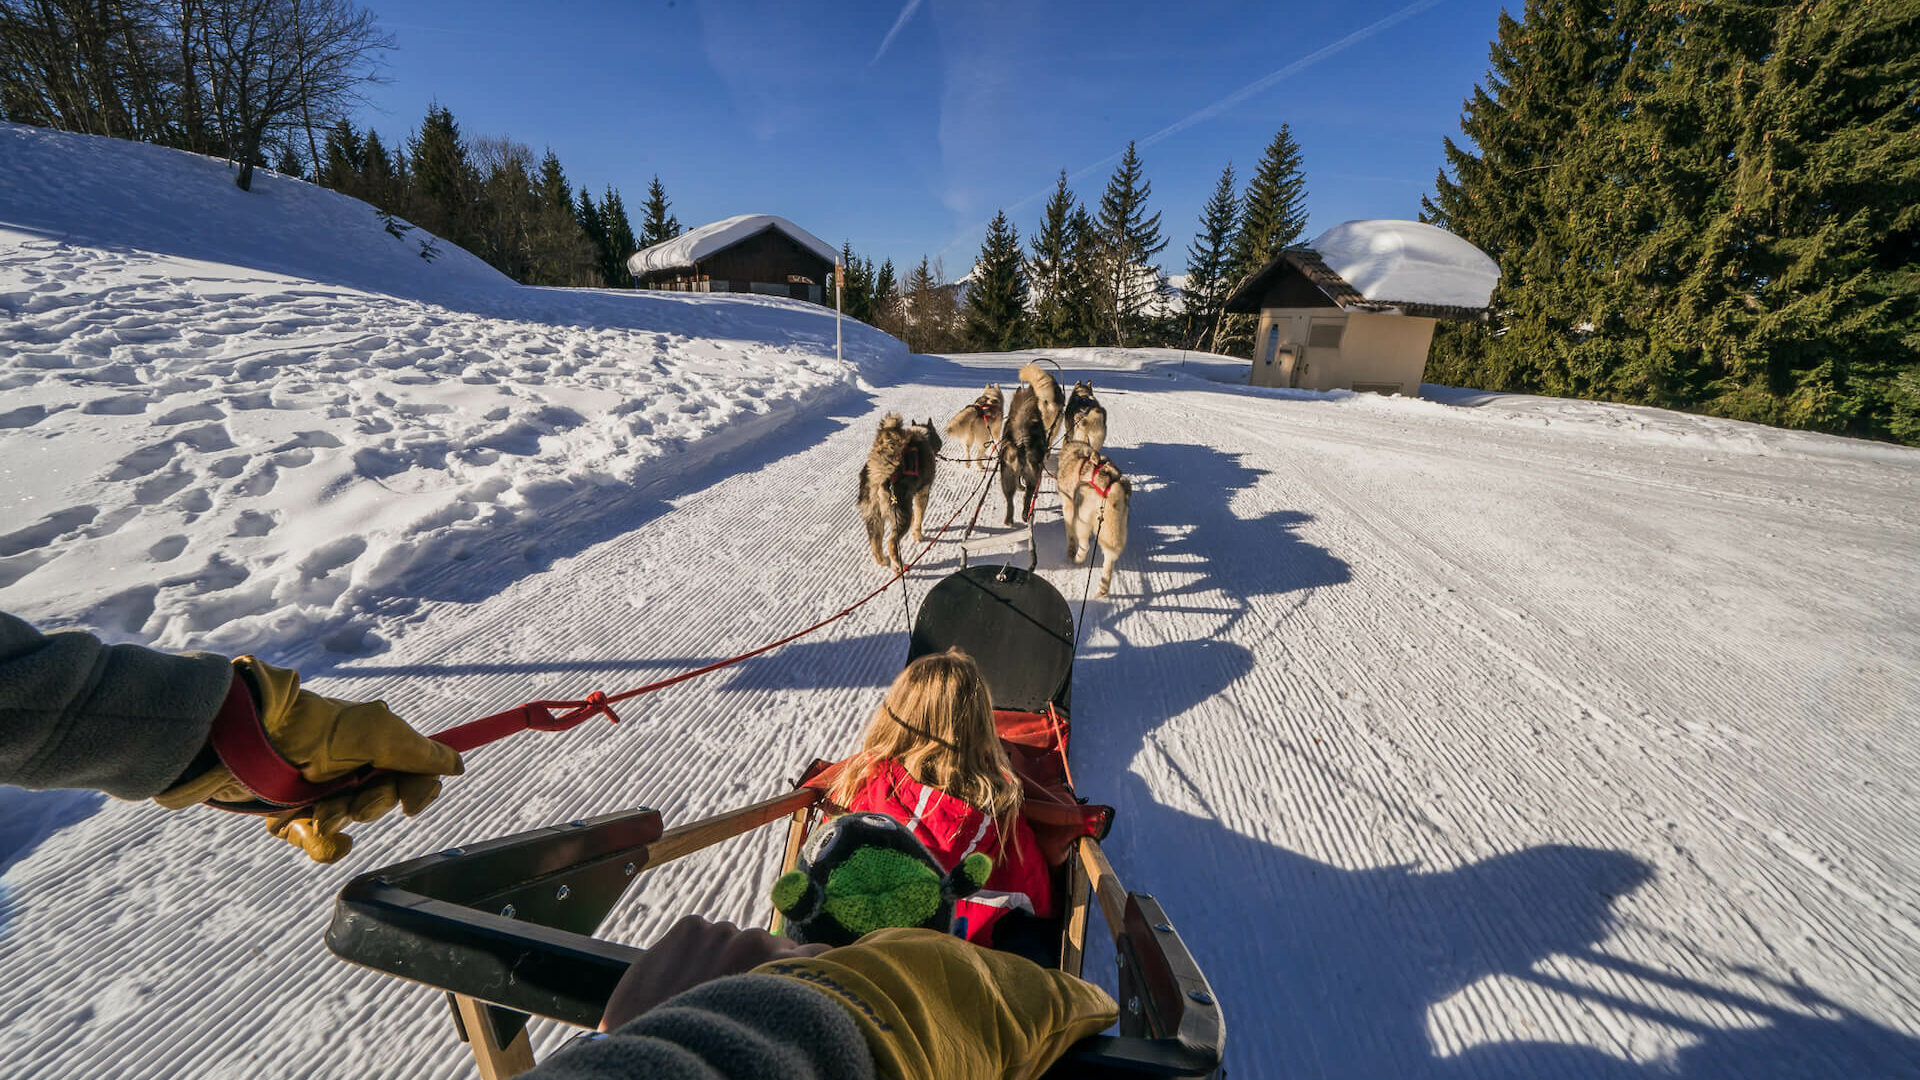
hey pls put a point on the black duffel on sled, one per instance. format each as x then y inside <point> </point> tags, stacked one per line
<point>505,927</point>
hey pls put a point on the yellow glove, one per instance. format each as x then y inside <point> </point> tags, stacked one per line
<point>327,738</point>
<point>934,1007</point>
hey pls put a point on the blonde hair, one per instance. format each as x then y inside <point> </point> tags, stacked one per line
<point>937,722</point>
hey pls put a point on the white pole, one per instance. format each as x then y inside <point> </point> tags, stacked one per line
<point>839,275</point>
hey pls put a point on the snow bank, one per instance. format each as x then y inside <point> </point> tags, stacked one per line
<point>1408,262</point>
<point>120,196</point>
<point>696,244</point>
<point>231,421</point>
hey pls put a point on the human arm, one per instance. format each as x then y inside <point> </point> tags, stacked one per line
<point>924,1005</point>
<point>135,723</point>
<point>78,713</point>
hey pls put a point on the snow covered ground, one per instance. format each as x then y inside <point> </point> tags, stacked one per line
<point>1480,737</point>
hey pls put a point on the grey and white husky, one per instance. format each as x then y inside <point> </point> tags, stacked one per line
<point>895,483</point>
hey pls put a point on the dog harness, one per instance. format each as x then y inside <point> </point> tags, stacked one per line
<point>1090,475</point>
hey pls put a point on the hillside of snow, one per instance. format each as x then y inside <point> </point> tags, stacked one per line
<point>245,420</point>
<point>1476,736</point>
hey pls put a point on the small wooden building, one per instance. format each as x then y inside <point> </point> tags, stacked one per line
<point>1355,308</point>
<point>750,253</point>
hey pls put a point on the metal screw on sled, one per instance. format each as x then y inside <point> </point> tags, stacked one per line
<point>509,911</point>
<point>629,869</point>
<point>562,893</point>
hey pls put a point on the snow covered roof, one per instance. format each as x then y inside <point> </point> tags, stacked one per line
<point>1384,265</point>
<point>696,244</point>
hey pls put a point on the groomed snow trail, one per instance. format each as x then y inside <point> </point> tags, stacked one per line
<point>1458,743</point>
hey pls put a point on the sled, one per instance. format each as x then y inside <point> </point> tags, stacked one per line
<point>505,927</point>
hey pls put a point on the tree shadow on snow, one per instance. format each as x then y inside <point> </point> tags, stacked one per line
<point>1182,528</point>
<point>1336,972</point>
<point>27,820</point>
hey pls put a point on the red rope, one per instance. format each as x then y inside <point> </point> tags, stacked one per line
<point>492,728</point>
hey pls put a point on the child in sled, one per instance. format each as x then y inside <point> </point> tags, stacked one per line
<point>931,759</point>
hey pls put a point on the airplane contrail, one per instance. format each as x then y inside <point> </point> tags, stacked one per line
<point>1209,112</point>
<point>905,14</point>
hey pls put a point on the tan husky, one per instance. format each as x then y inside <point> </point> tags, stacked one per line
<point>975,425</point>
<point>1096,510</point>
<point>1048,391</point>
<point>1085,418</point>
<point>895,483</point>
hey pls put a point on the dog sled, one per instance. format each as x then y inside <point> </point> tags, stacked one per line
<point>504,927</point>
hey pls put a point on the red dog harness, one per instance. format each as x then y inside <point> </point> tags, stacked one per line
<point>1090,475</point>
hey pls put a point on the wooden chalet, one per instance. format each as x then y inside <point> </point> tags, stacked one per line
<point>750,253</point>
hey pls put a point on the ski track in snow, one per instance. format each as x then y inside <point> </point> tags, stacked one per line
<point>1453,754</point>
<point>1481,736</point>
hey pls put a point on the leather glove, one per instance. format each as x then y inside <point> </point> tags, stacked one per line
<point>934,1007</point>
<point>327,738</point>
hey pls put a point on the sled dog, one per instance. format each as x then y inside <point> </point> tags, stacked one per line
<point>895,482</point>
<point>1048,392</point>
<point>1074,457</point>
<point>974,425</point>
<point>1084,417</point>
<point>1023,450</point>
<point>1098,511</point>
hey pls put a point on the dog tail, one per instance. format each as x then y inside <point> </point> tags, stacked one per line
<point>1032,373</point>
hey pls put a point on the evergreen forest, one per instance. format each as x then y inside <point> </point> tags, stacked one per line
<point>1707,206</point>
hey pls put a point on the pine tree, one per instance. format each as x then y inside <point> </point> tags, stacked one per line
<point>562,254</point>
<point>1273,214</point>
<point>617,243</point>
<point>1084,281</point>
<point>1209,269</point>
<point>343,158</point>
<point>1703,206</point>
<point>594,227</point>
<point>659,225</point>
<point>856,300</point>
<point>1129,239</point>
<point>444,182</point>
<point>996,313</point>
<point>383,176</point>
<point>887,308</point>
<point>931,320</point>
<point>1050,269</point>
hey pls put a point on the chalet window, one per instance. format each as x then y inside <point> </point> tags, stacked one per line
<point>1325,335</point>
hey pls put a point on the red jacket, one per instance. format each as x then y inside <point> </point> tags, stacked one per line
<point>952,830</point>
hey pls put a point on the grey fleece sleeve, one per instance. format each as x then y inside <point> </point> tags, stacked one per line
<point>77,713</point>
<point>745,1027</point>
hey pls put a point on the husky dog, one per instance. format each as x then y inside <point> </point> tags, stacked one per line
<point>1048,392</point>
<point>895,482</point>
<point>1084,417</point>
<point>1023,450</point>
<point>975,424</point>
<point>1074,456</point>
<point>1098,511</point>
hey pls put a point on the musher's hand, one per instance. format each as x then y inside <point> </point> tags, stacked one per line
<point>326,738</point>
<point>934,1007</point>
<point>694,951</point>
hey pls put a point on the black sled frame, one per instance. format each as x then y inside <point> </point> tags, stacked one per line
<point>504,927</point>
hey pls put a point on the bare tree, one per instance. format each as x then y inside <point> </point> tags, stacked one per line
<point>283,65</point>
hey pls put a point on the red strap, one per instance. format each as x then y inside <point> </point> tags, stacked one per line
<point>240,739</point>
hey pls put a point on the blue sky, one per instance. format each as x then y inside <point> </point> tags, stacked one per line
<point>904,125</point>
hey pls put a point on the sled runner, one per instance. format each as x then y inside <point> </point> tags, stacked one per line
<point>505,926</point>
